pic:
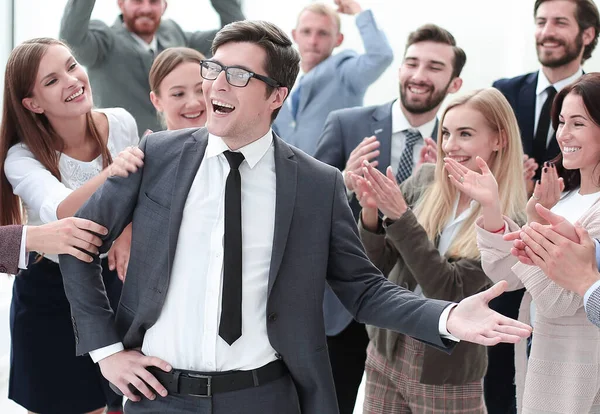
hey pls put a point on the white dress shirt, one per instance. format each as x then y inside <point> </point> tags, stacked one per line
<point>399,125</point>
<point>542,94</point>
<point>186,334</point>
<point>150,47</point>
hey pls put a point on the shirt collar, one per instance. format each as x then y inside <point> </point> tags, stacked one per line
<point>400,123</point>
<point>252,152</point>
<point>153,45</point>
<point>543,81</point>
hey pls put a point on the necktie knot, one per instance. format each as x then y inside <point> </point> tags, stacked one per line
<point>412,136</point>
<point>234,159</point>
<point>551,90</point>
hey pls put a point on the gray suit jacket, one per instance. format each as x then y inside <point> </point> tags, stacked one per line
<point>117,64</point>
<point>593,308</point>
<point>343,131</point>
<point>340,81</point>
<point>10,247</point>
<point>315,240</point>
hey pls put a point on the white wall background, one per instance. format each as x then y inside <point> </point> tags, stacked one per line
<point>497,36</point>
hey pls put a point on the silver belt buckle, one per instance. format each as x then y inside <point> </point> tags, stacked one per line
<point>208,385</point>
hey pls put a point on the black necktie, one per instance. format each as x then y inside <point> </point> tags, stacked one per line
<point>230,326</point>
<point>541,134</point>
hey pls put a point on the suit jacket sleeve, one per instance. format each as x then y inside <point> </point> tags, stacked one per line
<point>91,41</point>
<point>363,290</point>
<point>111,206</point>
<point>10,247</point>
<point>358,72</point>
<point>593,307</point>
<point>330,148</point>
<point>229,11</point>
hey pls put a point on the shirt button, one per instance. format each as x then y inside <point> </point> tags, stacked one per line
<point>272,317</point>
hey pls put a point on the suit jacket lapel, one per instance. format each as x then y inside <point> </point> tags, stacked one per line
<point>286,171</point>
<point>189,162</point>
<point>144,56</point>
<point>526,112</point>
<point>381,126</point>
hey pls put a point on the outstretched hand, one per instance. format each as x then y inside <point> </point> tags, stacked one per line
<point>472,320</point>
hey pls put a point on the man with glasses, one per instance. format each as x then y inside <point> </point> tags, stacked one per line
<point>128,48</point>
<point>328,82</point>
<point>235,234</point>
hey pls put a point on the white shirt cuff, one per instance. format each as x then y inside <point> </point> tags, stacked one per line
<point>589,293</point>
<point>99,354</point>
<point>23,251</point>
<point>443,323</point>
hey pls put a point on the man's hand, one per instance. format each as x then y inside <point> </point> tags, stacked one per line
<point>71,235</point>
<point>350,7</point>
<point>366,150</point>
<point>127,371</point>
<point>473,321</point>
<point>118,255</point>
<point>571,264</point>
<point>428,154</point>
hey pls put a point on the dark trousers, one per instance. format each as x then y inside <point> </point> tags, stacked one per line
<point>499,381</point>
<point>348,353</point>
<point>278,396</point>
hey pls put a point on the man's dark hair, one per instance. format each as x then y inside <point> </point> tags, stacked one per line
<point>587,16</point>
<point>282,62</point>
<point>434,33</point>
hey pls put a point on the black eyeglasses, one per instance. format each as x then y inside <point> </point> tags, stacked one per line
<point>236,76</point>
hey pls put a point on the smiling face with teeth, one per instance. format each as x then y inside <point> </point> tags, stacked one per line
<point>559,40</point>
<point>62,88</point>
<point>240,115</point>
<point>578,137</point>
<point>466,134</point>
<point>426,77</point>
<point>180,97</point>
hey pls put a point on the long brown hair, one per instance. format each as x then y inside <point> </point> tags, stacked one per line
<point>20,125</point>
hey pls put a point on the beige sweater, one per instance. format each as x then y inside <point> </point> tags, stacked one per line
<point>562,374</point>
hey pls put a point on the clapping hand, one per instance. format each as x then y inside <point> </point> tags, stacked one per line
<point>547,192</point>
<point>481,187</point>
<point>386,191</point>
<point>367,150</point>
<point>428,154</point>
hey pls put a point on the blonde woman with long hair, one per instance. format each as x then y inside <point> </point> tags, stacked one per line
<point>426,242</point>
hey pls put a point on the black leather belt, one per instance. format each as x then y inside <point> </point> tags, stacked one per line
<point>202,384</point>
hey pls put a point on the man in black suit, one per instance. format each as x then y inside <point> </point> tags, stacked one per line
<point>566,34</point>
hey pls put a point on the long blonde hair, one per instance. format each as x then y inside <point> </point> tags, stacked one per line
<point>435,208</point>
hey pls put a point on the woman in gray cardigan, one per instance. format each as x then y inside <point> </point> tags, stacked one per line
<point>426,242</point>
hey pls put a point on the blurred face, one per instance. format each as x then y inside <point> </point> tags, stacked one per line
<point>240,114</point>
<point>557,35</point>
<point>316,35</point>
<point>142,17</point>
<point>426,76</point>
<point>466,135</point>
<point>180,97</point>
<point>578,136</point>
<point>62,87</point>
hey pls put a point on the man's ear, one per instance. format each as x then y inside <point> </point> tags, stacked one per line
<point>455,85</point>
<point>277,97</point>
<point>156,102</point>
<point>339,40</point>
<point>31,105</point>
